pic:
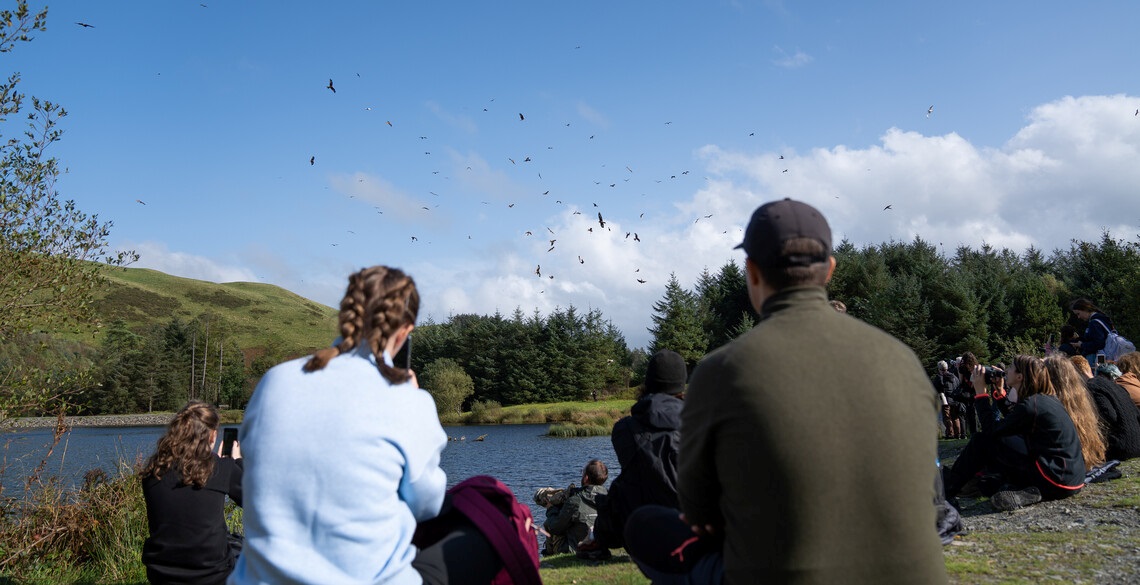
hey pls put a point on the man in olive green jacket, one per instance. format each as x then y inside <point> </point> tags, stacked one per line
<point>808,444</point>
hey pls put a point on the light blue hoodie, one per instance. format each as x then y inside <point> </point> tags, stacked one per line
<point>340,465</point>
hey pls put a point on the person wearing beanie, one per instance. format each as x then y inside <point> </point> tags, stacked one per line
<point>778,479</point>
<point>646,443</point>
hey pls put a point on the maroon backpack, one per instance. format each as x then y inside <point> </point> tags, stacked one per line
<point>507,524</point>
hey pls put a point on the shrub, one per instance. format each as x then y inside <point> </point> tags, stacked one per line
<point>485,412</point>
<point>577,430</point>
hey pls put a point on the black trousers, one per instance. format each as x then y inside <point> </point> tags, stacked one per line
<point>464,556</point>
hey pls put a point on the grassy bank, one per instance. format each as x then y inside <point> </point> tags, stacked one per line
<point>567,419</point>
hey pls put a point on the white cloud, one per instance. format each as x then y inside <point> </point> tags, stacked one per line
<point>592,116</point>
<point>461,122</point>
<point>156,256</point>
<point>1071,172</point>
<point>792,61</point>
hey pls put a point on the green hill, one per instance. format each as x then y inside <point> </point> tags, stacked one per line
<point>256,316</point>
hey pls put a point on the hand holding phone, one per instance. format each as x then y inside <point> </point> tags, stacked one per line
<point>229,435</point>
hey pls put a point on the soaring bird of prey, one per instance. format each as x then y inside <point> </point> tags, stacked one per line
<point>521,117</point>
<point>601,221</point>
<point>85,25</point>
<point>330,86</point>
<point>886,208</point>
<point>312,160</point>
<point>538,269</point>
<point>929,111</point>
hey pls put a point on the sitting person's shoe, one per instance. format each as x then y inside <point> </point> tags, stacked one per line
<point>591,550</point>
<point>1014,499</point>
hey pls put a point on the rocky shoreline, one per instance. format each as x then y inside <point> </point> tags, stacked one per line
<point>111,420</point>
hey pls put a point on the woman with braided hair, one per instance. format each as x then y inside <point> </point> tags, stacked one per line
<point>342,455</point>
<point>185,484</point>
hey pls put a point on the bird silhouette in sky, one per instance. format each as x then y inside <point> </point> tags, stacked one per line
<point>389,121</point>
<point>330,86</point>
<point>415,239</point>
<point>641,281</point>
<point>635,238</point>
<point>521,117</point>
<point>140,201</point>
<point>85,25</point>
<point>886,208</point>
<point>538,269</point>
<point>312,160</point>
<point>601,221</point>
<point>580,260</point>
<point>929,111</point>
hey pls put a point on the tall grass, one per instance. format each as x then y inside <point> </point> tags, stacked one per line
<point>95,534</point>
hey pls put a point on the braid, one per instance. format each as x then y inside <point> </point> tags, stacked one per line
<point>379,301</point>
<point>351,318</point>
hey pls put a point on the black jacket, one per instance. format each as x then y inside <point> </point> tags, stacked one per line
<point>188,537</point>
<point>1119,418</point>
<point>646,444</point>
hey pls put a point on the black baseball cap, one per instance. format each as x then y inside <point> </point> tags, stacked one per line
<point>776,222</point>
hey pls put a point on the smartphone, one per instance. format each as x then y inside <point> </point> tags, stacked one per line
<point>1100,359</point>
<point>229,435</point>
<point>403,358</point>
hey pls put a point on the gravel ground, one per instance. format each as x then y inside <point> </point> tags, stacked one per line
<point>1097,532</point>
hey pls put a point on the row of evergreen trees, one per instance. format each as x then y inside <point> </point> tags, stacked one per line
<point>995,303</point>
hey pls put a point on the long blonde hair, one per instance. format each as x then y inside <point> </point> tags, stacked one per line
<point>187,444</point>
<point>379,301</point>
<point>1070,389</point>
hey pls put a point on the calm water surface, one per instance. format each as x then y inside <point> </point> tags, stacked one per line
<point>520,456</point>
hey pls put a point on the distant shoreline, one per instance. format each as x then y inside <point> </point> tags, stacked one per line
<point>110,420</point>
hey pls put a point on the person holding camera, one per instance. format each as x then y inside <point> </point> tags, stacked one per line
<point>185,484</point>
<point>1035,451</point>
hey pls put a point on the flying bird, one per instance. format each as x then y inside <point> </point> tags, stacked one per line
<point>85,25</point>
<point>929,111</point>
<point>389,122</point>
<point>521,117</point>
<point>312,160</point>
<point>580,260</point>
<point>538,269</point>
<point>601,221</point>
<point>641,281</point>
<point>886,208</point>
<point>635,238</point>
<point>415,239</point>
<point>140,201</point>
<point>330,86</point>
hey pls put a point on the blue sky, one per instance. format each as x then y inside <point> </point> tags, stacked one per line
<point>655,114</point>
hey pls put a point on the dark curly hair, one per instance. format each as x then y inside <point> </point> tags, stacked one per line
<point>187,444</point>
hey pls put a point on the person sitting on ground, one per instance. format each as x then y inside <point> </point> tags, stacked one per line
<point>646,443</point>
<point>342,463</point>
<point>1129,379</point>
<point>792,468</point>
<point>575,518</point>
<point>185,485</point>
<point>1035,450</point>
<point>1119,417</point>
<point>1069,387</point>
<point>552,499</point>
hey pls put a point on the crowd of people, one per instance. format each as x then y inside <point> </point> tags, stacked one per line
<point>765,463</point>
<point>1041,427</point>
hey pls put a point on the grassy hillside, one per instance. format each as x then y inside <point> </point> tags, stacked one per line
<point>254,315</point>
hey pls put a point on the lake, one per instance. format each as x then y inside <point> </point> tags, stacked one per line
<point>520,456</point>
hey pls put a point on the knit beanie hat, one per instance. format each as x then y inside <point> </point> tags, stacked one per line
<point>666,373</point>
